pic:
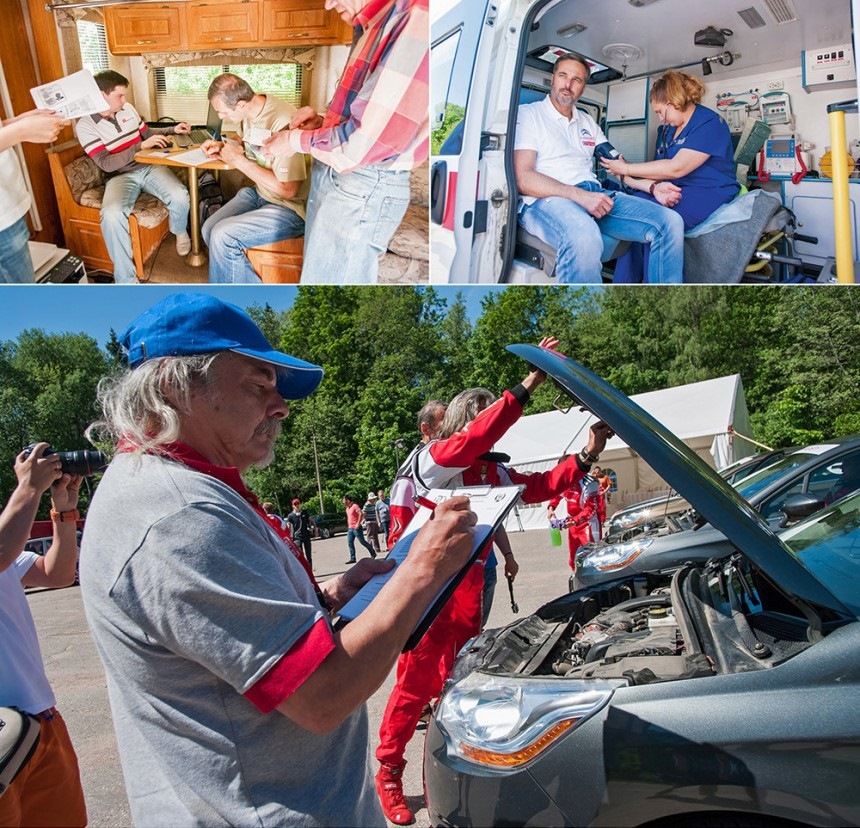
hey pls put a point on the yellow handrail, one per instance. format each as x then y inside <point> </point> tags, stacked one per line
<point>841,203</point>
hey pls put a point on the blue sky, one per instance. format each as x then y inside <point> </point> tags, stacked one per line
<point>95,309</point>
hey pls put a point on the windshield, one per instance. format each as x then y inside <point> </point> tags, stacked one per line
<point>828,545</point>
<point>756,482</point>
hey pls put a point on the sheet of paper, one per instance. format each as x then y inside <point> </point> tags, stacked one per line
<point>192,158</point>
<point>73,96</point>
<point>256,136</point>
<point>488,503</point>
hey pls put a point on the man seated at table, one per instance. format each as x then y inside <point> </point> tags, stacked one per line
<point>274,208</point>
<point>111,138</point>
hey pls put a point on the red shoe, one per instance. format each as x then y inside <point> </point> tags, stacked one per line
<point>389,789</point>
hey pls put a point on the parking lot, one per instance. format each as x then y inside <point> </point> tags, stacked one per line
<point>75,671</point>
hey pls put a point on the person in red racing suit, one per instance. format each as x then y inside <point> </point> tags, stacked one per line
<point>472,424</point>
<point>581,510</point>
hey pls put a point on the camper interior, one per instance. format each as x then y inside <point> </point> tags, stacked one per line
<point>170,51</point>
<point>772,69</point>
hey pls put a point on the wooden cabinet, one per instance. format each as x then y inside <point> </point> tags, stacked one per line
<point>287,22</point>
<point>133,29</point>
<point>223,24</point>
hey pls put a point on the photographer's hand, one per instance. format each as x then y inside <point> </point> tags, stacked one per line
<point>35,474</point>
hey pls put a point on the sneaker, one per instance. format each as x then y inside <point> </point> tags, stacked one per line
<point>389,789</point>
<point>183,244</point>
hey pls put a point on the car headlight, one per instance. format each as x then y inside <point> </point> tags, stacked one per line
<point>631,519</point>
<point>615,555</point>
<point>503,723</point>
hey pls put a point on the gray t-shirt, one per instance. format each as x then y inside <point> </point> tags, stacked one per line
<point>192,598</point>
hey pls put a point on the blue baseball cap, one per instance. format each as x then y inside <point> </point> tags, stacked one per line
<point>184,324</point>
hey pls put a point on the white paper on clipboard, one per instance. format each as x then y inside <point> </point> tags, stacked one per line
<point>490,504</point>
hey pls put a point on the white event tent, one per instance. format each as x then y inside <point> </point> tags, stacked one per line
<point>704,415</point>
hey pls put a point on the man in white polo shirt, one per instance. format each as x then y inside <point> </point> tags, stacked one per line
<point>561,200</point>
<point>111,138</point>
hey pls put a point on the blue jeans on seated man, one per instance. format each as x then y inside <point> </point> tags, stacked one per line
<point>121,193</point>
<point>351,218</point>
<point>16,266</point>
<point>575,234</point>
<point>246,220</point>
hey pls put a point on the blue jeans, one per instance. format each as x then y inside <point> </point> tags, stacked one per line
<point>16,266</point>
<point>246,220</point>
<point>576,235</point>
<point>121,193</point>
<point>351,535</point>
<point>351,218</point>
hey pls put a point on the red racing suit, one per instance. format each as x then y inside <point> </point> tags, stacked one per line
<point>455,461</point>
<point>581,509</point>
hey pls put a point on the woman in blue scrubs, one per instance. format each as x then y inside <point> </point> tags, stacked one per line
<point>694,168</point>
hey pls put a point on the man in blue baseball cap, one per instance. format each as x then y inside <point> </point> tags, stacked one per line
<point>234,700</point>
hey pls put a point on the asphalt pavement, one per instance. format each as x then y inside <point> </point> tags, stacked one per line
<point>75,671</point>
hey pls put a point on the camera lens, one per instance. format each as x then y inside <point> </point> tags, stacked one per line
<point>82,462</point>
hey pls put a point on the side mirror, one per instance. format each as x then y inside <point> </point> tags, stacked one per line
<point>799,506</point>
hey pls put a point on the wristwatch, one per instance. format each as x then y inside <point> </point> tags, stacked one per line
<point>65,517</point>
<point>588,459</point>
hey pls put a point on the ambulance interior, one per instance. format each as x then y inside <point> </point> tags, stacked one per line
<point>293,50</point>
<point>772,68</point>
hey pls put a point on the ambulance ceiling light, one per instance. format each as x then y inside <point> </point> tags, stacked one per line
<point>624,52</point>
<point>573,29</point>
<point>640,3</point>
<point>752,17</point>
<point>783,11</point>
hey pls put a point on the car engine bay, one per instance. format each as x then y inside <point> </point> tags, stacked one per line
<point>701,621</point>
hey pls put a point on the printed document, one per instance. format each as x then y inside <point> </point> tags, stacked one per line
<point>72,97</point>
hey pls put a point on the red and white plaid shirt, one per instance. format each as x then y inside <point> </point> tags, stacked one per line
<point>380,110</point>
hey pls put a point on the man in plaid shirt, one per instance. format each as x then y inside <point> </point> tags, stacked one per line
<point>374,132</point>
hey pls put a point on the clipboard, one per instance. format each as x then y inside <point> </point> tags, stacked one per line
<point>490,504</point>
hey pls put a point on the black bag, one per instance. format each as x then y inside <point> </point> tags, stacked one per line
<point>211,199</point>
<point>19,736</point>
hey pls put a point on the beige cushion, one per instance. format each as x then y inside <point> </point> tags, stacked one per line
<point>412,238</point>
<point>419,185</point>
<point>86,182</point>
<point>83,175</point>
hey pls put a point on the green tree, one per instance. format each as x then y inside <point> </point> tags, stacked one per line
<point>454,114</point>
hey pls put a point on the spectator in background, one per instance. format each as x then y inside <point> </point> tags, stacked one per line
<point>269,509</point>
<point>47,791</point>
<point>354,531</point>
<point>370,522</point>
<point>39,126</point>
<point>374,132</point>
<point>383,514</point>
<point>302,528</point>
<point>112,138</point>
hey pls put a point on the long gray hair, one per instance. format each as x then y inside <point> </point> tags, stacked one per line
<point>143,407</point>
<point>464,408</point>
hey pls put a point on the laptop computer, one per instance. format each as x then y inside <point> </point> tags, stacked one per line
<point>199,134</point>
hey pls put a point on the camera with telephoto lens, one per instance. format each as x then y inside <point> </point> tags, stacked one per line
<point>84,461</point>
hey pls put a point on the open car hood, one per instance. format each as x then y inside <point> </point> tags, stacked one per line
<point>684,471</point>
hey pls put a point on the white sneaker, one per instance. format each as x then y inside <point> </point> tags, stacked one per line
<point>183,244</point>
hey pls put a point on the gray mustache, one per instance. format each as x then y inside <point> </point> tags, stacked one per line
<point>271,427</point>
